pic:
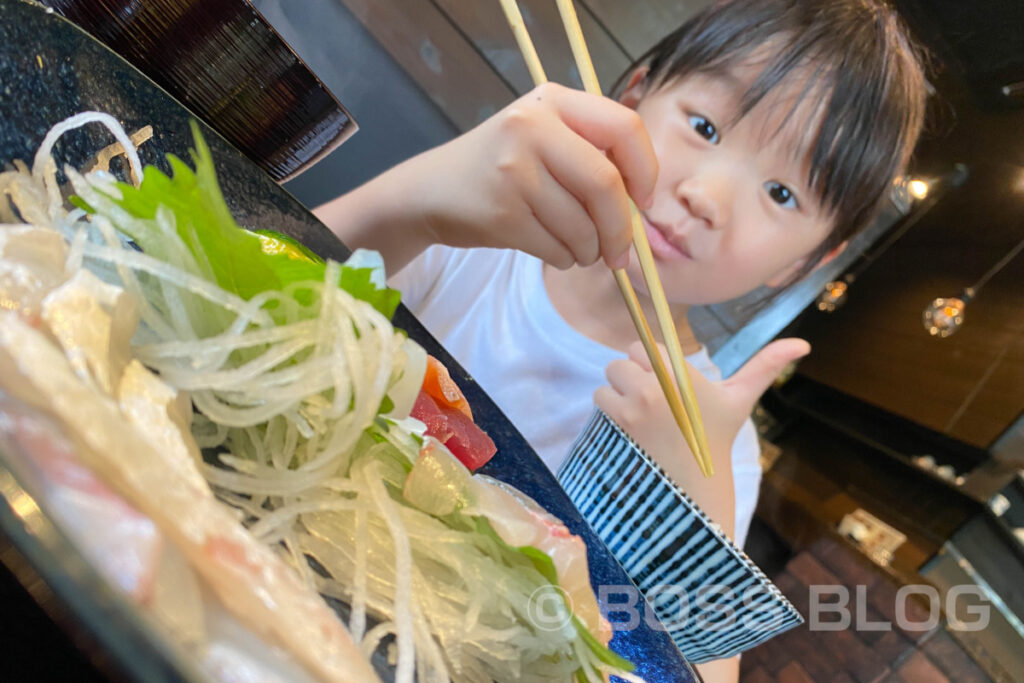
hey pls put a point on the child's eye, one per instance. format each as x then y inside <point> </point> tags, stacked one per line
<point>704,128</point>
<point>781,194</point>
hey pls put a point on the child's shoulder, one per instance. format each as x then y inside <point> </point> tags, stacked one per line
<point>462,267</point>
<point>451,274</point>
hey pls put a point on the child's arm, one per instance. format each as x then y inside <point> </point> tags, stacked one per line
<point>633,399</point>
<point>550,175</point>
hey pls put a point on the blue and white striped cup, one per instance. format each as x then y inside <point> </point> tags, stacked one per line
<point>713,601</point>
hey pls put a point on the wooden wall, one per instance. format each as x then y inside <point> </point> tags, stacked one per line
<point>395,120</point>
<point>462,53</point>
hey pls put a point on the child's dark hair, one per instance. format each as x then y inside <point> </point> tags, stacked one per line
<point>854,54</point>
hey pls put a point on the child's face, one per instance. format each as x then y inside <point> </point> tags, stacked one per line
<point>731,209</point>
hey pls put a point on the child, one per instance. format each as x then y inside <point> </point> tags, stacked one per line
<point>756,140</point>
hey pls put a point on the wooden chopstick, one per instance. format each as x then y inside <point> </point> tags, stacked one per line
<point>660,371</point>
<point>523,40</point>
<point>668,328</point>
<point>685,412</point>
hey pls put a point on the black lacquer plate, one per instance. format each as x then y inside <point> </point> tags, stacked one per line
<point>49,70</point>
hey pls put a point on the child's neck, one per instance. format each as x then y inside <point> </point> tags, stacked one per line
<point>588,299</point>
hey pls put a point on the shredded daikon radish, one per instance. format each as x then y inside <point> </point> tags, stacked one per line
<point>403,570</point>
<point>44,158</point>
<point>357,620</point>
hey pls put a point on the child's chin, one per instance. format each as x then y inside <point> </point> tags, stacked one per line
<point>688,298</point>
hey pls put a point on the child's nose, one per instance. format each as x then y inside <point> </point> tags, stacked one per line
<point>708,197</point>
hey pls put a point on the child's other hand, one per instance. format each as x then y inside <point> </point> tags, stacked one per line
<point>633,399</point>
<point>551,175</point>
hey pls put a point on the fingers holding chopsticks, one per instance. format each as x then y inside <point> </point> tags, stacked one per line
<point>536,177</point>
<point>598,153</point>
<point>609,160</point>
<point>612,128</point>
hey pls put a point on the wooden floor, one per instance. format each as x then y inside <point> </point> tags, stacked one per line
<point>865,656</point>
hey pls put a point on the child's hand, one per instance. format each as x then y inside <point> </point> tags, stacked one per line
<point>548,175</point>
<point>633,399</point>
<point>551,175</point>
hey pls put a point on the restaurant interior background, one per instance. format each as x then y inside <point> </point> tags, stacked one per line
<point>893,454</point>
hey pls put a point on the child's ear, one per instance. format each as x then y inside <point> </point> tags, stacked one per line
<point>635,86</point>
<point>780,279</point>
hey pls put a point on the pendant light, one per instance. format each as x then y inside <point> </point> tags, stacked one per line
<point>945,315</point>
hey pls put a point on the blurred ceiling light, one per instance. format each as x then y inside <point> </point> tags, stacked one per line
<point>833,296</point>
<point>918,188</point>
<point>944,316</point>
<point>906,190</point>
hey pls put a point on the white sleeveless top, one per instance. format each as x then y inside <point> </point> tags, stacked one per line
<point>489,308</point>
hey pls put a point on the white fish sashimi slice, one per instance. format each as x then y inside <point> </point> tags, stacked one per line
<point>249,578</point>
<point>120,542</point>
<point>521,521</point>
<point>178,599</point>
<point>128,551</point>
<point>234,655</point>
<point>31,264</point>
<point>153,409</point>
<point>94,322</point>
<point>439,484</point>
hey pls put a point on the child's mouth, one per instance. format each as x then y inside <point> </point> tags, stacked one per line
<point>662,249</point>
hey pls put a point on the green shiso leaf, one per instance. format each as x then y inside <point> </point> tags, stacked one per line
<point>242,262</point>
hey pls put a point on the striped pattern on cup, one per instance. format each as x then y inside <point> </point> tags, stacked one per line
<point>706,592</point>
